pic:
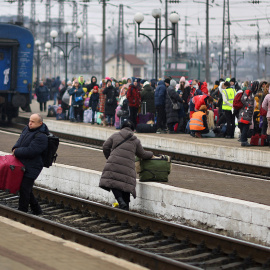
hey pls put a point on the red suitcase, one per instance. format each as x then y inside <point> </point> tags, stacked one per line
<point>259,140</point>
<point>11,173</point>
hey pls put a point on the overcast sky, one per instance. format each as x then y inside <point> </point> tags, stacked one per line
<point>246,18</point>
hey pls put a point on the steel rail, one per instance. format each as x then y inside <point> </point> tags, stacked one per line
<point>126,252</point>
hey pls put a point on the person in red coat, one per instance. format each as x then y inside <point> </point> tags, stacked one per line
<point>134,101</point>
<point>198,101</point>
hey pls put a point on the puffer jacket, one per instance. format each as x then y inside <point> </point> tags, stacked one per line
<point>29,147</point>
<point>148,95</point>
<point>160,94</point>
<point>110,102</point>
<point>42,93</point>
<point>78,93</point>
<point>172,96</point>
<point>246,112</point>
<point>266,104</point>
<point>119,171</point>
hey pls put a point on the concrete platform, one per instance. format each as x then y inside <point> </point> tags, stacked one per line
<point>216,148</point>
<point>26,248</point>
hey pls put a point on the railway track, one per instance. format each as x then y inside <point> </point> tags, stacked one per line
<point>140,239</point>
<point>179,158</point>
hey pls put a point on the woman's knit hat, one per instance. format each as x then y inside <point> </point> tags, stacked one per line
<point>183,79</point>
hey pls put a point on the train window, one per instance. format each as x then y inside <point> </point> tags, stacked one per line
<point>1,56</point>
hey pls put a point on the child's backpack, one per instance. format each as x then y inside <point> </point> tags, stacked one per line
<point>237,103</point>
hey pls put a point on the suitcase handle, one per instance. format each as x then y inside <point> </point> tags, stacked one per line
<point>12,167</point>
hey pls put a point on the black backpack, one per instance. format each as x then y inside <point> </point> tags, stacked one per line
<point>49,155</point>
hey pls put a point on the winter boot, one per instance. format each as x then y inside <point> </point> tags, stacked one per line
<point>122,204</point>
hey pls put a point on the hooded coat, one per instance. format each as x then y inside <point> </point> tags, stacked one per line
<point>81,82</point>
<point>92,84</point>
<point>29,148</point>
<point>148,96</point>
<point>266,104</point>
<point>172,96</point>
<point>110,102</point>
<point>42,93</point>
<point>160,94</point>
<point>119,171</point>
<point>246,112</point>
<point>204,88</point>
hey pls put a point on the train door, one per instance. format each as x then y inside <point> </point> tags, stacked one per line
<point>5,68</point>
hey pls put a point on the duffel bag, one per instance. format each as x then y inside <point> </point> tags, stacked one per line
<point>146,128</point>
<point>156,169</point>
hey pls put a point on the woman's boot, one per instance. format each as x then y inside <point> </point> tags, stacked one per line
<point>122,204</point>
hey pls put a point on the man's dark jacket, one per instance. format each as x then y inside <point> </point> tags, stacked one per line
<point>160,94</point>
<point>29,148</point>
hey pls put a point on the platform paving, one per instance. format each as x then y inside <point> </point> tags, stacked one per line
<point>26,248</point>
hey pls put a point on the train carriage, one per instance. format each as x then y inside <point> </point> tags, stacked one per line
<point>16,69</point>
<point>184,66</point>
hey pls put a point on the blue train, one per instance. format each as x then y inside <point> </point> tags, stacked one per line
<point>16,69</point>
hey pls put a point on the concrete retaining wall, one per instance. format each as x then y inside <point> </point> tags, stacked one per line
<point>233,217</point>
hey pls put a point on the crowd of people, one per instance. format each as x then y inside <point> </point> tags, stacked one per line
<point>187,106</point>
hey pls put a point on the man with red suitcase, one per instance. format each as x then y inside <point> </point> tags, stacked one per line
<point>28,149</point>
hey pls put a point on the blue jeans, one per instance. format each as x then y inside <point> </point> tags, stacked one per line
<point>244,131</point>
<point>54,98</point>
<point>93,116</point>
<point>110,119</point>
<point>71,112</point>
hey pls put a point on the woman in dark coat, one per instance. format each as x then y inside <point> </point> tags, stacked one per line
<point>148,96</point>
<point>171,114</point>
<point>42,93</point>
<point>119,173</point>
<point>110,103</point>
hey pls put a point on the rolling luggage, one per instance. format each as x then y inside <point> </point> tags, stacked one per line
<point>144,118</point>
<point>52,109</point>
<point>11,173</point>
<point>156,169</point>
<point>122,119</point>
<point>143,108</point>
<point>146,128</point>
<point>259,140</point>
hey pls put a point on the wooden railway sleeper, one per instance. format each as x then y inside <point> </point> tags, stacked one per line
<point>183,252</point>
<point>115,233</point>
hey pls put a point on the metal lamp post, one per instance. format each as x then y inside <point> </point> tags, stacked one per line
<point>41,56</point>
<point>66,51</point>
<point>266,52</point>
<point>226,50</point>
<point>156,13</point>
<point>235,60</point>
<point>217,62</point>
